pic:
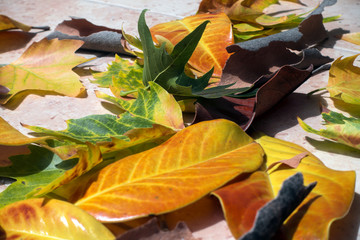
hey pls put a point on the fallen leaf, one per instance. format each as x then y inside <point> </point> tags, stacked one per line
<point>138,188</point>
<point>49,219</point>
<point>45,65</point>
<point>352,37</point>
<point>338,128</point>
<point>12,40</point>
<point>210,51</point>
<point>95,37</point>
<point>118,66</point>
<point>7,23</point>
<point>292,162</point>
<point>328,201</point>
<point>11,137</point>
<point>241,200</point>
<point>344,80</point>
<point>153,107</point>
<point>152,231</point>
<point>271,216</point>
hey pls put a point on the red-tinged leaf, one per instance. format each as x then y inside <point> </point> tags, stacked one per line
<point>49,219</point>
<point>9,23</point>
<point>292,162</point>
<point>241,200</point>
<point>95,37</point>
<point>11,137</point>
<point>161,180</point>
<point>344,80</point>
<point>46,66</point>
<point>210,51</point>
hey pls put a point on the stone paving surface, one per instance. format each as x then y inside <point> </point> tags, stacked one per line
<point>51,111</point>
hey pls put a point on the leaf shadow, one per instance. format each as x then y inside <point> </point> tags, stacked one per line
<point>333,147</point>
<point>347,227</point>
<point>284,115</point>
<point>333,37</point>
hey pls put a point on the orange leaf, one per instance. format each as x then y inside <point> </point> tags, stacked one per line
<point>11,137</point>
<point>210,51</point>
<point>172,175</point>
<point>45,65</point>
<point>49,219</point>
<point>240,201</point>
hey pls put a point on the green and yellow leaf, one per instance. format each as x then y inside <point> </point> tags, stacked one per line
<point>171,175</point>
<point>46,66</point>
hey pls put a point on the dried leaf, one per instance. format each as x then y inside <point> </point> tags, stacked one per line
<point>161,180</point>
<point>45,65</point>
<point>210,51</point>
<point>11,137</point>
<point>95,37</point>
<point>12,40</point>
<point>292,162</point>
<point>344,80</point>
<point>49,219</point>
<point>7,23</point>
<point>153,107</point>
<point>338,128</point>
<point>352,37</point>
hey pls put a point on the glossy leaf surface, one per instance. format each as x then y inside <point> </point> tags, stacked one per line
<point>46,66</point>
<point>49,219</point>
<point>211,50</point>
<point>171,175</point>
<point>153,107</point>
<point>328,201</point>
<point>345,130</point>
<point>344,80</point>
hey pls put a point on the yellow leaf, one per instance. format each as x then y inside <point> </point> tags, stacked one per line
<point>9,23</point>
<point>189,165</point>
<point>49,219</point>
<point>352,37</point>
<point>45,65</point>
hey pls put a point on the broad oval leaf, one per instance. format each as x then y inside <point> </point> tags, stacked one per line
<point>344,80</point>
<point>11,137</point>
<point>211,49</point>
<point>328,201</point>
<point>45,65</point>
<point>49,219</point>
<point>172,175</point>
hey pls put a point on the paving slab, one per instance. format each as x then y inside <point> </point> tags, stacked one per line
<point>51,111</point>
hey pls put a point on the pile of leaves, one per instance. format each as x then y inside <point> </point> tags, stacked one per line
<point>106,174</point>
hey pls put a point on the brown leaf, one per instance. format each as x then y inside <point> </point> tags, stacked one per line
<point>152,231</point>
<point>291,162</point>
<point>95,37</point>
<point>12,40</point>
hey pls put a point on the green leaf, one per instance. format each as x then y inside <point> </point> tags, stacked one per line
<point>119,65</point>
<point>167,70</point>
<point>151,107</point>
<point>31,171</point>
<point>128,83</point>
<point>338,128</point>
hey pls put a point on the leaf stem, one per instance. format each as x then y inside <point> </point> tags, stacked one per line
<point>45,28</point>
<point>316,90</point>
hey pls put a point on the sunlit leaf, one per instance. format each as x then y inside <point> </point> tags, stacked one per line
<point>210,51</point>
<point>344,80</point>
<point>9,23</point>
<point>12,137</point>
<point>352,37</point>
<point>49,219</point>
<point>45,65</point>
<point>151,107</point>
<point>345,130</point>
<point>328,201</point>
<point>171,175</point>
<point>119,65</point>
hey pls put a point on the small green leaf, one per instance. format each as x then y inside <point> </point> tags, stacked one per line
<point>339,128</point>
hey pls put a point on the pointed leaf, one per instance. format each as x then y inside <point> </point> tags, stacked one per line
<point>338,128</point>
<point>45,65</point>
<point>328,201</point>
<point>210,51</point>
<point>161,180</point>
<point>127,84</point>
<point>49,219</point>
<point>11,137</point>
<point>119,65</point>
<point>344,80</point>
<point>153,107</point>
<point>9,23</point>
